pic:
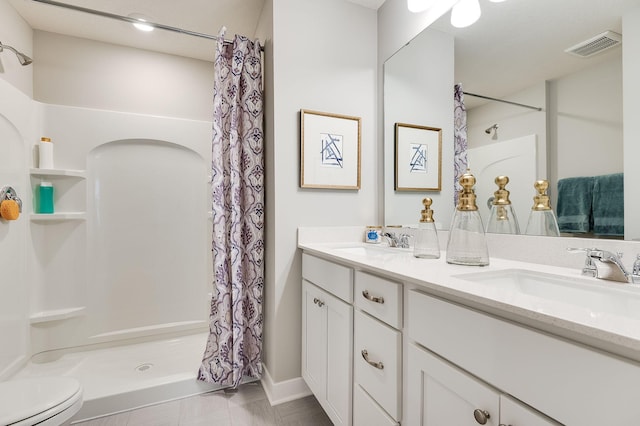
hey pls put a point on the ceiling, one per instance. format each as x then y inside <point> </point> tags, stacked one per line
<point>518,43</point>
<point>202,16</point>
<point>513,45</point>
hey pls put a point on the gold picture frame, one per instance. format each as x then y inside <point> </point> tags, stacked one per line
<point>329,150</point>
<point>418,158</point>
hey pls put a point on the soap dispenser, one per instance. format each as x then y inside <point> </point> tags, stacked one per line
<point>542,220</point>
<point>502,219</point>
<point>467,243</point>
<point>426,245</point>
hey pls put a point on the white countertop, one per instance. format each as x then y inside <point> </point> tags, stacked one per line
<point>605,330</point>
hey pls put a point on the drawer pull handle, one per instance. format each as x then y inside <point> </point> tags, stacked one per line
<point>481,416</point>
<point>318,302</point>
<point>367,296</point>
<point>377,365</point>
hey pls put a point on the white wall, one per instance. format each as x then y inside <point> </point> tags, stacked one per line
<point>324,59</point>
<point>631,107</point>
<point>85,73</point>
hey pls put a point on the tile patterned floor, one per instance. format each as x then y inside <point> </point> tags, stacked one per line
<point>248,406</point>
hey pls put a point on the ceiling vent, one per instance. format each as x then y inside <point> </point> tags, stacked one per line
<point>597,44</point>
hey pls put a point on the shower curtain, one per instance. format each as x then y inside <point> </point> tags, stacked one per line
<point>234,345</point>
<point>459,140</point>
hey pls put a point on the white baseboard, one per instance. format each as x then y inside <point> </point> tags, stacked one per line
<point>285,391</point>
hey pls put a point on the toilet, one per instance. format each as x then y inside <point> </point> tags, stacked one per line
<point>42,401</point>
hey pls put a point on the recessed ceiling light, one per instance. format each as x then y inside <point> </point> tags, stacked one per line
<point>142,23</point>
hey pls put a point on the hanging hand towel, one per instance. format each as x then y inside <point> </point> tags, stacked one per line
<point>608,205</point>
<point>575,196</point>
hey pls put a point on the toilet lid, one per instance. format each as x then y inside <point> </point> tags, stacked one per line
<point>24,398</point>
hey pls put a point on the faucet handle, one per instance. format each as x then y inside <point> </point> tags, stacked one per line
<point>589,268</point>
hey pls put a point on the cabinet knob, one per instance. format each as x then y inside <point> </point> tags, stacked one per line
<point>367,296</point>
<point>318,302</point>
<point>481,416</point>
<point>377,365</point>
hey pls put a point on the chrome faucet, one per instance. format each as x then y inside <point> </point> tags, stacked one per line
<point>605,265</point>
<point>400,240</point>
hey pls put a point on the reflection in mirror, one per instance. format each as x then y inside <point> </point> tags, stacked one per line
<point>516,52</point>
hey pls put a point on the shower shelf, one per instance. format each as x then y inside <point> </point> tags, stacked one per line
<point>57,315</point>
<point>59,172</point>
<point>49,217</point>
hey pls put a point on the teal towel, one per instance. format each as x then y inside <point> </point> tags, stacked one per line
<point>575,196</point>
<point>608,205</point>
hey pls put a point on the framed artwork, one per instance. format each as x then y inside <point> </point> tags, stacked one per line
<point>329,150</point>
<point>418,158</point>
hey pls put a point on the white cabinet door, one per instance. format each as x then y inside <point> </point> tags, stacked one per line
<point>514,413</point>
<point>314,338</point>
<point>440,394</point>
<point>327,333</point>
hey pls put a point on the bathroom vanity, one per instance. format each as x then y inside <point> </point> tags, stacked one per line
<point>389,339</point>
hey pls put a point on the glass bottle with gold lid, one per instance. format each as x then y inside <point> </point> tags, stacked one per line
<point>542,220</point>
<point>502,219</point>
<point>467,243</point>
<point>426,245</point>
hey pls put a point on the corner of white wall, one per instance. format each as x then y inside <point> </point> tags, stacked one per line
<point>285,391</point>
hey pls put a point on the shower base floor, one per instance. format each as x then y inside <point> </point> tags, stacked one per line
<point>122,378</point>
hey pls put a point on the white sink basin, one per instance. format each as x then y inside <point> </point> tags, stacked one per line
<point>599,298</point>
<point>371,250</point>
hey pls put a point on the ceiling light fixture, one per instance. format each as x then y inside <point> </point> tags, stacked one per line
<point>142,23</point>
<point>417,6</point>
<point>465,13</point>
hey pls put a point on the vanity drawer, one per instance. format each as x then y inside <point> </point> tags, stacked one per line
<point>379,297</point>
<point>381,375</point>
<point>336,279</point>
<point>367,412</point>
<point>553,375</point>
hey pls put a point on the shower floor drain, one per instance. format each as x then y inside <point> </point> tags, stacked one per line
<point>144,367</point>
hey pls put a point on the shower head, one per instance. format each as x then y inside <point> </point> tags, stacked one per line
<point>22,58</point>
<point>495,131</point>
<point>494,127</point>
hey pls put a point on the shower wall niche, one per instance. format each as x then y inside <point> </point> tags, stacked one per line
<point>128,253</point>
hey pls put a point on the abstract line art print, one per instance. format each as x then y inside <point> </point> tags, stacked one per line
<point>418,158</point>
<point>329,150</point>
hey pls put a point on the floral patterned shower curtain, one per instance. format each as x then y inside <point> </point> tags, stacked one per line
<point>234,345</point>
<point>459,140</point>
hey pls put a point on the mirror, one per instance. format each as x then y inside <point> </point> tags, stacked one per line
<point>515,52</point>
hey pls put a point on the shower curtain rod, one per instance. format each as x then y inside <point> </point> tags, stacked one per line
<point>133,20</point>
<point>502,100</point>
